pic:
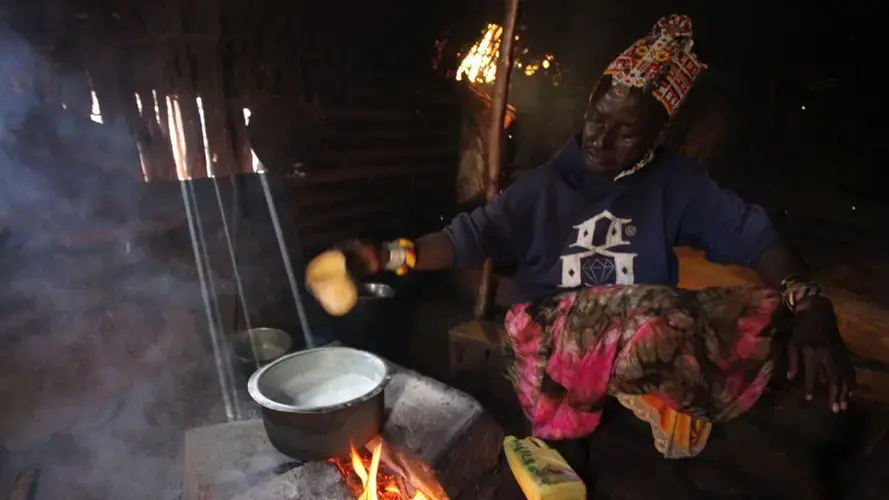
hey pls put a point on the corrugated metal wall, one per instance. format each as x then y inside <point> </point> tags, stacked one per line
<point>383,166</point>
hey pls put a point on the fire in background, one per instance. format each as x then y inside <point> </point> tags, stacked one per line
<point>479,65</point>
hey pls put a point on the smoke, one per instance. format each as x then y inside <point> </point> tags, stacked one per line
<point>104,360</point>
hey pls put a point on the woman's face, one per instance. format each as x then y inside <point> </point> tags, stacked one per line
<point>620,124</point>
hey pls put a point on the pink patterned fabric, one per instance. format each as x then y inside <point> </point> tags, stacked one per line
<point>706,353</point>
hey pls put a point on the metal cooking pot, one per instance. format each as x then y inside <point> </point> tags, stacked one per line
<point>369,324</point>
<point>317,403</point>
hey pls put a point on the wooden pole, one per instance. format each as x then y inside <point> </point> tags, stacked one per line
<point>495,142</point>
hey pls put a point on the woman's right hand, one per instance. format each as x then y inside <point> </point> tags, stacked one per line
<point>362,259</point>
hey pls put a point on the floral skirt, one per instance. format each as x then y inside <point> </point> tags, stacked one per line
<point>679,359</point>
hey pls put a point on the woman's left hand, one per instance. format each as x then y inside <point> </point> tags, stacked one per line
<point>815,342</point>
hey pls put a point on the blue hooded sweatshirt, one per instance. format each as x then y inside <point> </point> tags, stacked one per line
<point>565,227</point>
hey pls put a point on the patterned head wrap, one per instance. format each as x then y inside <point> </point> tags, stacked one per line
<point>662,63</point>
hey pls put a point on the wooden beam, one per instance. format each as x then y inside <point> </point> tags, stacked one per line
<point>495,142</point>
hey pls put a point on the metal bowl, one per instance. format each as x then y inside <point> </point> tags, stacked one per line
<point>368,325</point>
<point>317,403</point>
<point>261,345</point>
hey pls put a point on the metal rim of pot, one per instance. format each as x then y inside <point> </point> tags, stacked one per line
<point>265,402</point>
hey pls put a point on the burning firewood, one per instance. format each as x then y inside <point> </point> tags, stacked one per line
<point>393,473</point>
<point>409,467</point>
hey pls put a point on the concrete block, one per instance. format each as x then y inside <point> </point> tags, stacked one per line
<point>315,480</point>
<point>444,426</point>
<point>223,460</point>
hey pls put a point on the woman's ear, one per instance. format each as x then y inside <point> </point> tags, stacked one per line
<point>664,134</point>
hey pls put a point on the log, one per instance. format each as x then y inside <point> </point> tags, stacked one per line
<point>495,141</point>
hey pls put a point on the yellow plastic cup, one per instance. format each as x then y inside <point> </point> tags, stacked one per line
<point>328,280</point>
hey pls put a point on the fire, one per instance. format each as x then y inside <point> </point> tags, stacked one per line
<point>374,484</point>
<point>479,66</point>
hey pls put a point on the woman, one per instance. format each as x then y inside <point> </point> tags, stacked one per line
<point>595,310</point>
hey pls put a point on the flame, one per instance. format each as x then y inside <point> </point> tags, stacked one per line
<point>374,484</point>
<point>480,64</point>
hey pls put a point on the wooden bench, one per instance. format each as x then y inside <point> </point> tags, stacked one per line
<point>474,345</point>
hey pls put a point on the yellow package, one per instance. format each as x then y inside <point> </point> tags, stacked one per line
<point>541,471</point>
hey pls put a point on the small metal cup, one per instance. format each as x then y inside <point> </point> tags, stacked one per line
<point>371,291</point>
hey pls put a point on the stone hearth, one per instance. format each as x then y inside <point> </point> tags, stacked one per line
<point>443,426</point>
